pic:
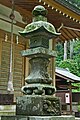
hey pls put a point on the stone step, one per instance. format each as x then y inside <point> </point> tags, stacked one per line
<point>7,110</point>
<point>37,117</point>
<point>4,113</point>
<point>77,118</point>
<point>20,117</point>
<point>7,107</point>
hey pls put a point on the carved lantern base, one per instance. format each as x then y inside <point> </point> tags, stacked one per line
<point>35,105</point>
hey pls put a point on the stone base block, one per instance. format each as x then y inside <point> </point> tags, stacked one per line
<point>52,118</point>
<point>34,105</point>
<point>14,118</point>
<point>37,118</point>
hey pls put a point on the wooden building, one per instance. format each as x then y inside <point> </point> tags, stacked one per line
<point>64,80</point>
<point>63,14</point>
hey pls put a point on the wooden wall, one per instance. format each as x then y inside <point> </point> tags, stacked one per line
<point>18,64</point>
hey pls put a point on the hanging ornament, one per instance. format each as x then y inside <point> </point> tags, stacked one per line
<point>12,16</point>
<point>6,37</point>
<point>10,88</point>
<point>17,39</point>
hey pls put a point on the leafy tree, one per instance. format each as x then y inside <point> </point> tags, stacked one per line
<point>72,65</point>
<point>76,54</point>
<point>69,63</point>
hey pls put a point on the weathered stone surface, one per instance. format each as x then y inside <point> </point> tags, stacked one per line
<point>39,52</point>
<point>38,105</point>
<point>39,31</point>
<point>51,117</point>
<point>39,72</point>
<point>14,117</point>
<point>38,89</point>
<point>38,118</point>
<point>7,110</point>
<point>38,99</point>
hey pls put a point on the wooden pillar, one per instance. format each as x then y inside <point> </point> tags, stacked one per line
<point>52,47</point>
<point>71,49</point>
<point>0,51</point>
<point>26,62</point>
<point>65,50</point>
<point>70,87</point>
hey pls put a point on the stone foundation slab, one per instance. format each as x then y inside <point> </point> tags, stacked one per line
<point>37,118</point>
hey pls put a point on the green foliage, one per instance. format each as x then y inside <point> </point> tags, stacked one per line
<point>76,54</point>
<point>71,65</point>
<point>78,108</point>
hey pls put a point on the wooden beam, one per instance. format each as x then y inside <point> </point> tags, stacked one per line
<point>70,88</point>
<point>62,8</point>
<point>22,11</point>
<point>77,33</point>
<point>62,38</point>
<point>5,13</point>
<point>68,33</point>
<point>8,27</point>
<point>59,79</point>
<point>52,61</point>
<point>16,23</point>
<point>26,63</point>
<point>64,35</point>
<point>72,33</point>
<point>66,78</point>
<point>71,28</point>
<point>0,50</point>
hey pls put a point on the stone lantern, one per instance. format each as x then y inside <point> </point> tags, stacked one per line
<point>38,98</point>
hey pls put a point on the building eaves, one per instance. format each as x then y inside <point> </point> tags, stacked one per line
<point>73,5</point>
<point>67,74</point>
